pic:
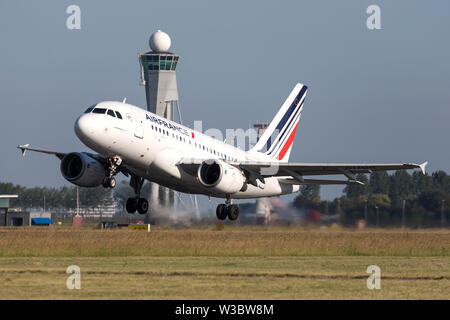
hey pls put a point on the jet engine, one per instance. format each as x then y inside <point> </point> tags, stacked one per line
<point>221,177</point>
<point>82,170</point>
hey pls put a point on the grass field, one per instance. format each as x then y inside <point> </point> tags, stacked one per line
<point>234,263</point>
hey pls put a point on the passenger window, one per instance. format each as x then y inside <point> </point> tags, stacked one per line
<point>118,115</point>
<point>111,113</point>
<point>99,110</point>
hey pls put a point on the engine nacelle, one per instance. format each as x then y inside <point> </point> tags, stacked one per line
<point>82,170</point>
<point>221,177</point>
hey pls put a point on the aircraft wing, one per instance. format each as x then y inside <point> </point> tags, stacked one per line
<point>313,169</point>
<point>25,147</point>
<point>293,173</point>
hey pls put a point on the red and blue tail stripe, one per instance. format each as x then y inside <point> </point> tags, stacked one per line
<point>279,136</point>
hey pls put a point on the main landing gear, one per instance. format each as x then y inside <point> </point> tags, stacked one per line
<point>137,203</point>
<point>227,210</point>
<point>113,165</point>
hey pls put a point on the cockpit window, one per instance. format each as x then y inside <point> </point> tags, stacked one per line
<point>118,115</point>
<point>111,113</point>
<point>99,110</point>
<point>90,108</point>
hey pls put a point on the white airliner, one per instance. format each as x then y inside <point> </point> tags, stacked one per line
<point>143,146</point>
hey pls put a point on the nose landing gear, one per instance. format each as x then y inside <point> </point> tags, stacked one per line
<point>113,165</point>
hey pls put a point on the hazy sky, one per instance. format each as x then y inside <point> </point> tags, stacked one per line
<point>374,95</point>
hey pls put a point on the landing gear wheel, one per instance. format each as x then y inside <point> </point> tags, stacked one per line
<point>112,182</point>
<point>142,206</point>
<point>132,204</point>
<point>113,167</point>
<point>221,212</point>
<point>109,182</point>
<point>233,212</point>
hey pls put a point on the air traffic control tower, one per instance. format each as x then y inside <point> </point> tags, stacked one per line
<point>160,80</point>
<point>159,77</point>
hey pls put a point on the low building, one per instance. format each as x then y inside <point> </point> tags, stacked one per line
<point>4,206</point>
<point>21,218</point>
<point>26,218</point>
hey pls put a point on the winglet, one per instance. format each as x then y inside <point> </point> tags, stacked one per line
<point>23,148</point>
<point>423,166</point>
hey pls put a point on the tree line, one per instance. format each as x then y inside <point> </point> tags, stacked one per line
<point>55,199</point>
<point>413,200</point>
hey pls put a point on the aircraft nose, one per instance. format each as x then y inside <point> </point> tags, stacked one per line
<point>84,126</point>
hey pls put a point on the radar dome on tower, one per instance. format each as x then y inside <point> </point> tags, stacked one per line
<point>159,41</point>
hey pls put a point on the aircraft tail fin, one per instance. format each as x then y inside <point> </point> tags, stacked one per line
<point>278,138</point>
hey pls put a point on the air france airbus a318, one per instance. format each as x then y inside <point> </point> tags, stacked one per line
<point>142,146</point>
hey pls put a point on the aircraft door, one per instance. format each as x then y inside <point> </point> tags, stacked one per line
<point>139,121</point>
